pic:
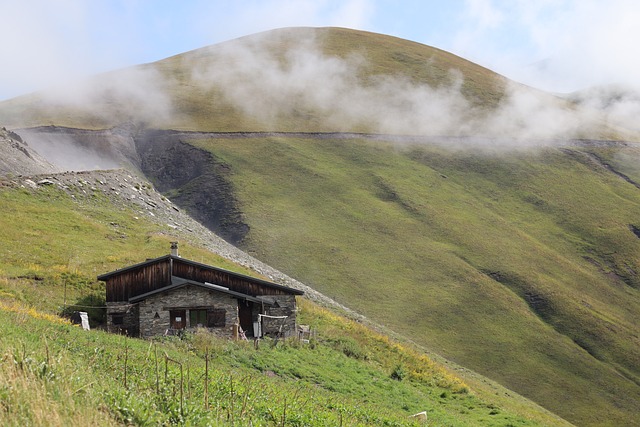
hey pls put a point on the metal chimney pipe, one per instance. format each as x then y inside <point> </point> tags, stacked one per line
<point>174,249</point>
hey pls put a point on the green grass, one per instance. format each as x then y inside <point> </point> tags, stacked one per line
<point>521,266</point>
<point>57,374</point>
<point>51,242</point>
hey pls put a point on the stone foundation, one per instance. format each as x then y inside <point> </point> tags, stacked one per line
<point>151,317</point>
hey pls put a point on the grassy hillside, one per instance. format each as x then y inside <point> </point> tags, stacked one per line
<point>521,265</point>
<point>54,243</point>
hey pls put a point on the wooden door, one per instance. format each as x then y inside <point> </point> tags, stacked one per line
<point>178,319</point>
<point>245,314</point>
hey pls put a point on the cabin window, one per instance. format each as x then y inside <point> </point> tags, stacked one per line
<point>117,319</point>
<point>216,318</point>
<point>197,318</point>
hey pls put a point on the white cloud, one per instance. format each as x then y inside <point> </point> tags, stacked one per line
<point>312,84</point>
<point>560,45</point>
<point>44,43</point>
<point>33,44</point>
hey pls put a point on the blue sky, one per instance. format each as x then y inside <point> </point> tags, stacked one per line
<point>557,45</point>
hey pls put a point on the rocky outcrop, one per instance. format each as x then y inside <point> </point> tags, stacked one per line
<point>194,179</point>
<point>18,158</point>
<point>82,149</point>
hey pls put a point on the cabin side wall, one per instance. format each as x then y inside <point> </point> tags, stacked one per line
<point>155,310</point>
<point>123,318</point>
<point>285,306</point>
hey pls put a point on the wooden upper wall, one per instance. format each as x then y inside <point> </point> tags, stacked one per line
<point>155,274</point>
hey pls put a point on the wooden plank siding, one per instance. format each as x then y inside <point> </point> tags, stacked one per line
<point>237,283</point>
<point>155,274</point>
<point>137,281</point>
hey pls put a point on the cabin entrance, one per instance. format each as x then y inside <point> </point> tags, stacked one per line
<point>245,315</point>
<point>178,319</point>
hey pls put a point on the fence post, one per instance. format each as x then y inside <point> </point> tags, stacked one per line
<point>126,356</point>
<point>155,347</point>
<point>206,379</point>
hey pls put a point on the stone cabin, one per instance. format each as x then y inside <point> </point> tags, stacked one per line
<point>170,294</point>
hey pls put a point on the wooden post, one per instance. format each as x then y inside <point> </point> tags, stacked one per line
<point>155,346</point>
<point>235,331</point>
<point>188,380</point>
<point>232,398</point>
<point>46,346</point>
<point>284,411</point>
<point>167,359</point>
<point>126,356</point>
<point>166,367</point>
<point>181,391</point>
<point>206,380</point>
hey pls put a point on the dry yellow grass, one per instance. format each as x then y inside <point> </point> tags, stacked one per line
<point>22,310</point>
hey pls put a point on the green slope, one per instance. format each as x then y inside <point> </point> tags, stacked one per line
<point>521,265</point>
<point>53,244</point>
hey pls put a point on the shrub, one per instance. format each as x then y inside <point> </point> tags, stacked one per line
<point>398,373</point>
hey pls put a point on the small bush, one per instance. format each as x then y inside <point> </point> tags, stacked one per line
<point>399,373</point>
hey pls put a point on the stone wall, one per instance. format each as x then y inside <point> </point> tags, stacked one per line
<point>128,313</point>
<point>285,305</point>
<point>154,311</point>
<point>151,316</point>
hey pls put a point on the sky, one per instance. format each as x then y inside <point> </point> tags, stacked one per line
<point>555,45</point>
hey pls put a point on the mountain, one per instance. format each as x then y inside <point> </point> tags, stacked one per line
<point>489,222</point>
<point>310,80</point>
